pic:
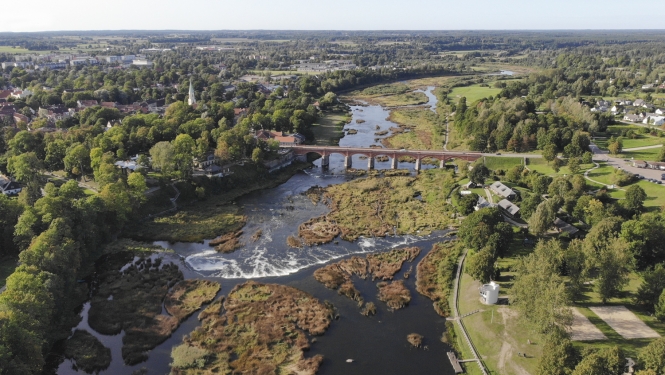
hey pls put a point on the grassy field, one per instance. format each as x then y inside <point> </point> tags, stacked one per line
<point>12,50</point>
<point>328,129</point>
<point>472,93</point>
<point>421,129</point>
<point>648,154</point>
<point>630,346</point>
<point>640,141</point>
<point>655,193</point>
<point>390,95</point>
<point>495,330</point>
<point>540,165</point>
<point>505,163</point>
<point>7,266</point>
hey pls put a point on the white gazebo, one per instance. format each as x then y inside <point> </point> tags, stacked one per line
<point>489,293</point>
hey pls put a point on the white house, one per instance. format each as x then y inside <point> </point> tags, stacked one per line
<point>489,293</point>
<point>9,187</point>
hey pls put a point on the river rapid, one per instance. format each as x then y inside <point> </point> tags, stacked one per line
<point>376,344</point>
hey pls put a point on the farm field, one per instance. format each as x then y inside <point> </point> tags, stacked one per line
<point>472,93</point>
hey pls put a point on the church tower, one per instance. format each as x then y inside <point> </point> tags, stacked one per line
<point>192,99</point>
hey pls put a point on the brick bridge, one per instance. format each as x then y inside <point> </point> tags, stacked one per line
<point>371,153</point>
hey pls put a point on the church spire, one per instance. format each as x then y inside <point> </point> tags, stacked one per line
<point>192,99</point>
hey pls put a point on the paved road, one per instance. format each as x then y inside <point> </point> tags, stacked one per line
<point>509,155</point>
<point>604,156</point>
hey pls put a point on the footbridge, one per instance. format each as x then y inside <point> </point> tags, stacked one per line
<point>372,153</point>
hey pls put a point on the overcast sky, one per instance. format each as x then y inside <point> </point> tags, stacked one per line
<point>50,15</point>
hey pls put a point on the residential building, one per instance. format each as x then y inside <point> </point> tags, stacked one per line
<point>502,190</point>
<point>86,103</point>
<point>9,187</point>
<point>632,118</point>
<point>482,203</point>
<point>508,207</point>
<point>142,62</point>
<point>191,98</point>
<point>563,227</point>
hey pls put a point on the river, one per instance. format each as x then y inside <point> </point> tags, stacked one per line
<point>376,344</point>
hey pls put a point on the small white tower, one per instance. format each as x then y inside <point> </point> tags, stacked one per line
<point>489,293</point>
<point>192,99</point>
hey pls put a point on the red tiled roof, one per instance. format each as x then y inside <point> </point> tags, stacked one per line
<point>4,94</point>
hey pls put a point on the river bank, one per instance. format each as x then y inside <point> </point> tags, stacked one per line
<point>379,342</point>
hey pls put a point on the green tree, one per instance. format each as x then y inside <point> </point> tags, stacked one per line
<point>587,158</point>
<point>137,187</point>
<point>542,219</point>
<point>660,307</point>
<point>539,294</point>
<point>652,356</point>
<point>77,159</point>
<point>479,173</point>
<point>257,155</point>
<point>635,197</point>
<point>25,167</point>
<point>603,362</point>
<point>163,157</point>
<point>574,165</point>
<point>608,257</point>
<point>549,152</point>
<point>481,265</point>
<point>559,355</point>
<point>651,288</point>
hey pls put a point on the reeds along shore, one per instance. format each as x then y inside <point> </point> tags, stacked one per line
<point>257,329</point>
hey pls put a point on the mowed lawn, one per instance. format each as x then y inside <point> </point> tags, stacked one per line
<point>626,298</point>
<point>648,154</point>
<point>329,128</point>
<point>505,163</point>
<point>655,193</point>
<point>472,93</point>
<point>540,165</point>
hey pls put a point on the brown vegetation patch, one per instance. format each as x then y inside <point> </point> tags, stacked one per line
<point>257,235</point>
<point>318,231</point>
<point>227,243</point>
<point>377,207</point>
<point>258,329</point>
<point>87,353</point>
<point>382,158</point>
<point>131,300</point>
<point>354,266</point>
<point>406,159</point>
<point>293,242</point>
<point>315,193</point>
<point>331,276</point>
<point>188,296</point>
<point>435,274</point>
<point>351,132</point>
<point>359,121</point>
<point>395,130</point>
<point>381,133</point>
<point>368,309</point>
<point>394,294</point>
<point>415,339</point>
<point>384,266</point>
